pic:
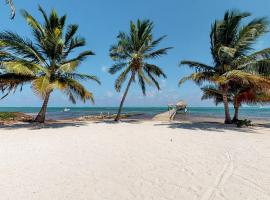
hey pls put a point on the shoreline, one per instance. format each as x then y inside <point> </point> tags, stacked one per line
<point>251,113</point>
<point>138,118</point>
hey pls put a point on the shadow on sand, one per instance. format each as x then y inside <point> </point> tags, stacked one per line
<point>212,126</point>
<point>36,126</point>
<point>263,125</point>
<point>205,125</point>
<point>130,121</point>
<point>61,124</point>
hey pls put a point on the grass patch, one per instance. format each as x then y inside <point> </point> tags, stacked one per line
<point>7,116</point>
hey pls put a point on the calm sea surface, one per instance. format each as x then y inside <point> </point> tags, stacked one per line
<point>59,113</point>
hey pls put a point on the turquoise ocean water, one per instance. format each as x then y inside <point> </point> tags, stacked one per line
<point>58,112</point>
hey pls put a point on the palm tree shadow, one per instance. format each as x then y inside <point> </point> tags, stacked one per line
<point>206,126</point>
<point>263,125</point>
<point>36,126</point>
<point>130,121</point>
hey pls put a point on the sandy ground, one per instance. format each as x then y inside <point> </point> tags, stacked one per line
<point>134,161</point>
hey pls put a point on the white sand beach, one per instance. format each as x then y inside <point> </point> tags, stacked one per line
<point>134,161</point>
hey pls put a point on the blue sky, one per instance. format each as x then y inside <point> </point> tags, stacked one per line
<point>186,23</point>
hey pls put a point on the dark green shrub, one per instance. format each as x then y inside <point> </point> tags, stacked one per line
<point>242,123</point>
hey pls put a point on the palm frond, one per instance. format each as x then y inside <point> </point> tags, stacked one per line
<point>252,80</point>
<point>258,67</point>
<point>74,43</point>
<point>117,67</point>
<point>249,35</point>
<point>72,64</point>
<point>199,78</point>
<point>153,69</point>
<point>197,65</point>
<point>157,53</point>
<point>14,43</point>
<point>20,67</point>
<point>12,7</point>
<point>84,77</point>
<point>41,86</point>
<point>121,79</point>
<point>142,84</point>
<point>77,90</point>
<point>71,31</point>
<point>45,16</point>
<point>32,21</point>
<point>212,92</point>
<point>10,81</point>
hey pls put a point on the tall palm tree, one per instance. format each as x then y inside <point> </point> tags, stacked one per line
<point>46,61</point>
<point>131,55</point>
<point>232,53</point>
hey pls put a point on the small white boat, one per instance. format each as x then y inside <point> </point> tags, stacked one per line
<point>66,109</point>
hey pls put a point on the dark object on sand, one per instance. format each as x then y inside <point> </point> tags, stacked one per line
<point>242,123</point>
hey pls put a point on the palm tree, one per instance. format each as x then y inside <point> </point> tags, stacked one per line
<point>46,61</point>
<point>131,55</point>
<point>12,7</point>
<point>238,94</point>
<point>231,49</point>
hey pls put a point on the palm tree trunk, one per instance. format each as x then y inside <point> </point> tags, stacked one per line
<point>236,113</point>
<point>123,98</point>
<point>226,106</point>
<point>41,115</point>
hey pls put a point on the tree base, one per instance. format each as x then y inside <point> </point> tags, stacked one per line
<point>234,121</point>
<point>40,119</point>
<point>228,121</point>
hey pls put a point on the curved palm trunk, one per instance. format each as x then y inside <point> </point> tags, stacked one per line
<point>123,98</point>
<point>226,106</point>
<point>41,115</point>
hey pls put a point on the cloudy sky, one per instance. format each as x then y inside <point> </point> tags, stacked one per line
<point>185,22</point>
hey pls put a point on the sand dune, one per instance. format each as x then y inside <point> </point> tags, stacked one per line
<point>136,161</point>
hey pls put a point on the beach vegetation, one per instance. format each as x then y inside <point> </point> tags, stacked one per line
<point>243,123</point>
<point>7,116</point>
<point>237,95</point>
<point>46,61</point>
<point>132,54</point>
<point>234,60</point>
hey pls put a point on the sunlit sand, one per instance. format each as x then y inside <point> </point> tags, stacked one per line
<point>134,160</point>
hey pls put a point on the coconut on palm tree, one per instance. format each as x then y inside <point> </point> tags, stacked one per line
<point>131,55</point>
<point>46,61</point>
<point>232,53</point>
